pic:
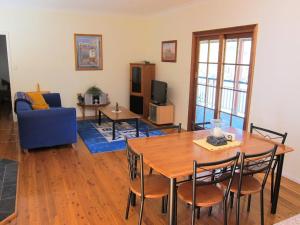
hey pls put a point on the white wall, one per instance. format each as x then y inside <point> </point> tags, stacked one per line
<point>276,92</point>
<point>42,50</point>
<point>4,71</point>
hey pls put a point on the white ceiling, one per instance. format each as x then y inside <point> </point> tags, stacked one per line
<point>134,7</point>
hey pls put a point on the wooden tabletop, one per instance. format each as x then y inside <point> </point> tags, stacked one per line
<point>123,114</point>
<point>172,155</point>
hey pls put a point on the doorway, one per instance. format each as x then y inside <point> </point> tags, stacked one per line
<point>221,76</point>
<point>5,91</point>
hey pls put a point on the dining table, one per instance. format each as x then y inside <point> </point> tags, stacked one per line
<point>172,155</point>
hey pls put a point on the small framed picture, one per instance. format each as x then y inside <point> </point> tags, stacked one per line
<point>88,52</point>
<point>169,51</point>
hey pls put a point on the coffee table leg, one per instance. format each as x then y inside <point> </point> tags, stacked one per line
<point>114,130</point>
<point>137,127</point>
<point>99,118</point>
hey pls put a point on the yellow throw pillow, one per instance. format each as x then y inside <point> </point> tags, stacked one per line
<point>38,101</point>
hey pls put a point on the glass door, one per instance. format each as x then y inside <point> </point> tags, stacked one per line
<point>207,80</point>
<point>221,77</point>
<point>234,87</point>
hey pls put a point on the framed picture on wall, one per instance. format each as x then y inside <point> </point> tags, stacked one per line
<point>88,52</point>
<point>169,51</point>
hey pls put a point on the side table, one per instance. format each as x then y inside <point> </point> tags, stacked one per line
<point>93,107</point>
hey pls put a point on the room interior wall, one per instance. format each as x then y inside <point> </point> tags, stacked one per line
<point>4,70</point>
<point>42,51</point>
<point>275,94</point>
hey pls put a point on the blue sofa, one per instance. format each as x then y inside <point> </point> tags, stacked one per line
<point>45,128</point>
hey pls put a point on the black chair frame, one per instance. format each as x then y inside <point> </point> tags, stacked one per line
<point>213,177</point>
<point>133,159</point>
<point>199,126</point>
<point>166,127</point>
<point>266,133</point>
<point>252,164</point>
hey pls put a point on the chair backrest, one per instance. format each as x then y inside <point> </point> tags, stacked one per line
<point>257,163</point>
<point>132,159</point>
<point>200,126</point>
<point>268,134</point>
<point>168,127</point>
<point>210,175</point>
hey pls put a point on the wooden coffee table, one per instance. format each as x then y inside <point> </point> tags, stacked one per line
<point>121,116</point>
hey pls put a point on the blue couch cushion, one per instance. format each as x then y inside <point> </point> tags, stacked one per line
<point>21,105</point>
<point>22,102</point>
<point>52,99</point>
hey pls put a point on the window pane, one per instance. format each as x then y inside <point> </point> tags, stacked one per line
<point>199,114</point>
<point>241,104</point>
<point>203,51</point>
<point>200,100</point>
<point>210,99</point>
<point>237,122</point>
<point>214,51</point>
<point>243,87</point>
<point>202,69</point>
<point>201,80</point>
<point>244,50</point>
<point>202,73</point>
<point>242,73</point>
<point>226,100</point>
<point>209,114</point>
<point>228,79</point>
<point>212,74</point>
<point>225,118</point>
<point>230,50</point>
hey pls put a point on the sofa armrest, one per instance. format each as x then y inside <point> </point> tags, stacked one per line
<point>52,99</point>
<point>42,128</point>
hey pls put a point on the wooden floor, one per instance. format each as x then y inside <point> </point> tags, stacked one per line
<point>66,186</point>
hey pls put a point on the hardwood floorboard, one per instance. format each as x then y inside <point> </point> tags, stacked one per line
<point>71,186</point>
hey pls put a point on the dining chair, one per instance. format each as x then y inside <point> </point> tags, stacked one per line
<point>144,186</point>
<point>200,126</point>
<point>244,183</point>
<point>272,135</point>
<point>203,191</point>
<point>152,131</point>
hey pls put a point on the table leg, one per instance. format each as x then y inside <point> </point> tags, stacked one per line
<point>114,130</point>
<point>133,199</point>
<point>137,127</point>
<point>277,183</point>
<point>172,204</point>
<point>99,118</point>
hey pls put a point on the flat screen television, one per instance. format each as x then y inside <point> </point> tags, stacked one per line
<point>159,92</point>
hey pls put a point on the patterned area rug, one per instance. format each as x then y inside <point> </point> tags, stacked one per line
<point>295,220</point>
<point>99,138</point>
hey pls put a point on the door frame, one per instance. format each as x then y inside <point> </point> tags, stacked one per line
<point>195,54</point>
<point>9,59</point>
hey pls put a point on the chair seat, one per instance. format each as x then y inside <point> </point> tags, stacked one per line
<point>250,185</point>
<point>207,195</point>
<point>155,186</point>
